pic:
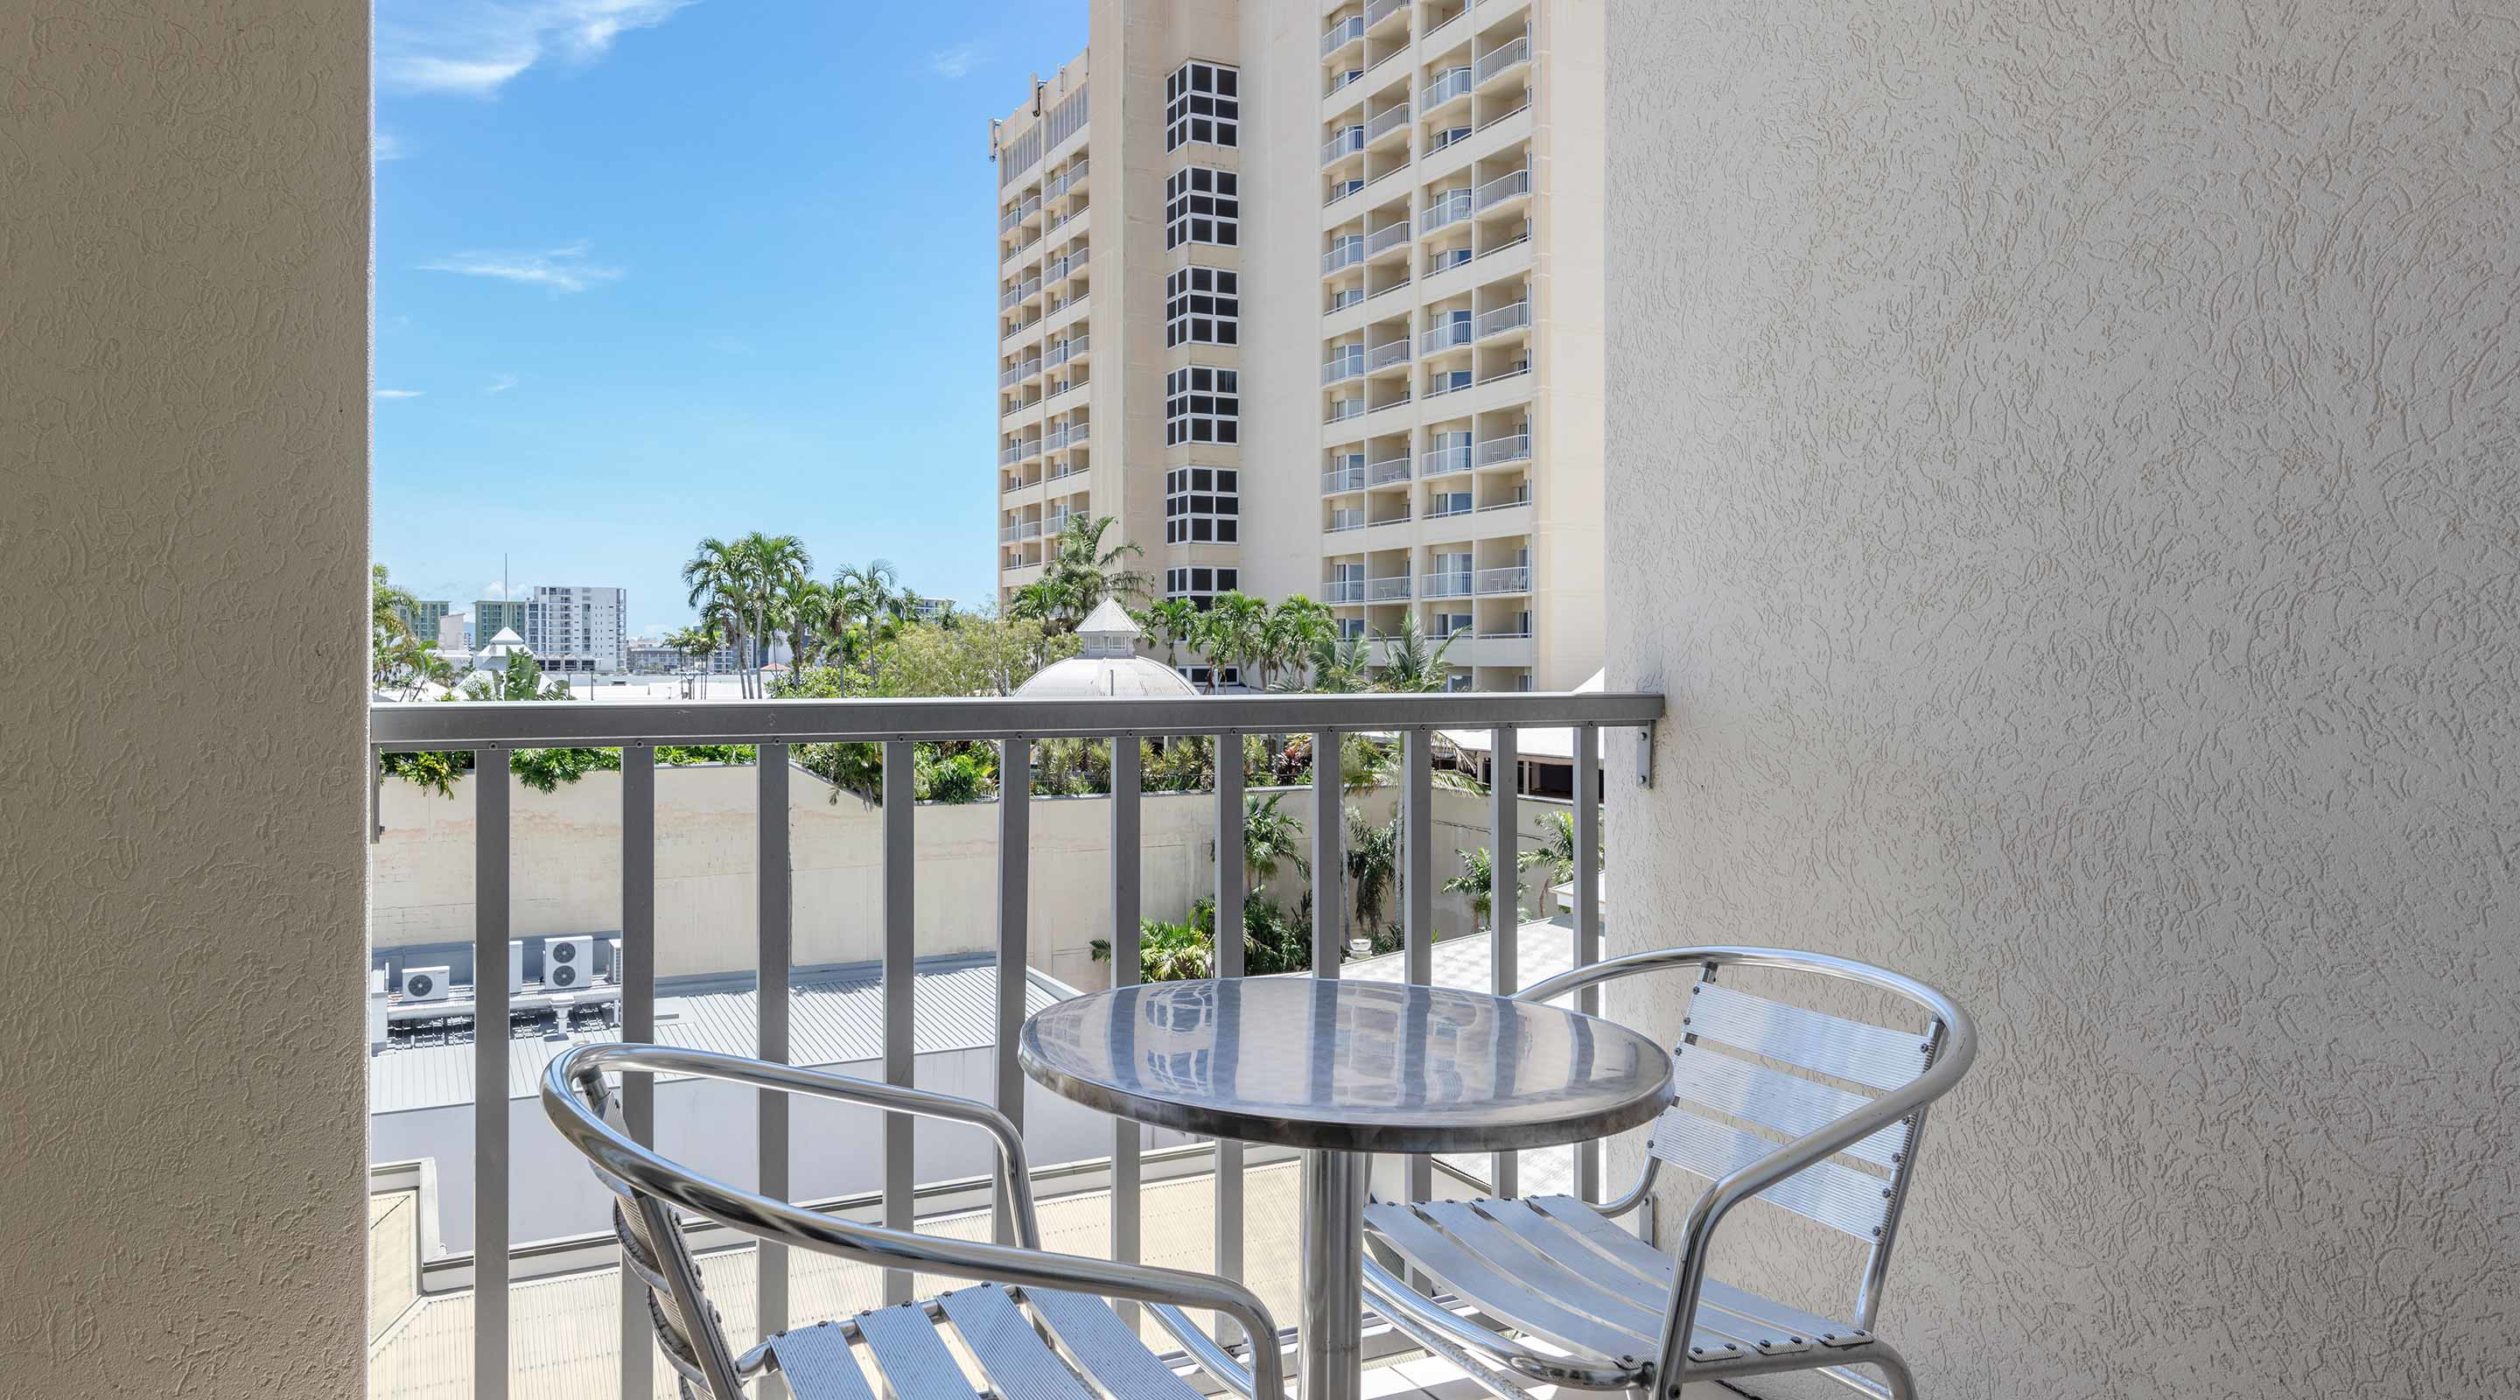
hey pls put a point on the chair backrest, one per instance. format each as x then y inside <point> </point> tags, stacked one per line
<point>689,1329</point>
<point>1786,1070</point>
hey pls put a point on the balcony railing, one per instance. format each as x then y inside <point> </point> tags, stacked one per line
<point>1344,364</point>
<point>1387,590</point>
<point>491,731</point>
<point>1345,409</point>
<point>1449,207</point>
<point>1344,252</point>
<point>1500,58</point>
<point>1504,318</point>
<point>1379,10</point>
<point>1452,332</point>
<point>1389,236</point>
<point>1516,579</point>
<point>1340,479</point>
<point>1343,590</point>
<point>1449,84</point>
<point>1342,34</point>
<point>1443,461</point>
<point>1386,121</point>
<point>1347,142</point>
<point>1387,354</point>
<point>1448,584</point>
<point>1520,497</point>
<point>1513,448</point>
<point>1505,187</point>
<point>1342,521</point>
<point>1387,471</point>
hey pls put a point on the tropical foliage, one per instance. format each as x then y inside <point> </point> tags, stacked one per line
<point>1079,575</point>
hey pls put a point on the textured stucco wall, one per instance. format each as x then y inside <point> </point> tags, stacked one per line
<point>2063,472</point>
<point>183,286</point>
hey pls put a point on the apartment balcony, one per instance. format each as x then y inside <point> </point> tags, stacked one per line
<point>1343,590</point>
<point>1447,335</point>
<point>1508,57</point>
<point>1345,409</point>
<point>1008,376</point>
<point>1449,381</point>
<point>1339,189</point>
<point>1379,13</point>
<point>1502,451</point>
<point>1504,189</point>
<point>1394,118</point>
<point>1514,579</point>
<point>1387,590</point>
<point>1348,141</point>
<point>1449,584</point>
<point>1390,237</point>
<point>1345,365</point>
<point>1449,505</point>
<point>1448,87</point>
<point>1344,253</point>
<point>1072,348</point>
<point>1387,472</point>
<point>1388,355</point>
<point>1444,461</point>
<point>1342,521</point>
<point>1341,480</point>
<point>1029,448</point>
<point>1515,500</point>
<point>1504,318</point>
<point>1340,35</point>
<point>1446,209</point>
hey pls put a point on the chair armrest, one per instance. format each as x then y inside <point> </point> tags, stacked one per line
<point>1014,1172</point>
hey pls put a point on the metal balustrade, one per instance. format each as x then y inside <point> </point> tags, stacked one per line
<point>1449,84</point>
<point>1391,235</point>
<point>1447,334</point>
<point>491,731</point>
<point>1516,579</point>
<point>1344,252</point>
<point>1348,141</point>
<point>1387,354</point>
<point>1342,521</point>
<point>1504,318</point>
<point>1387,590</point>
<point>1387,471</point>
<point>1339,479</point>
<point>1386,121</point>
<point>1513,448</point>
<point>1449,207</point>
<point>1342,34</point>
<point>1449,584</point>
<point>1346,364</point>
<point>1500,58</point>
<point>1443,461</point>
<point>1343,590</point>
<point>1505,187</point>
<point>1380,10</point>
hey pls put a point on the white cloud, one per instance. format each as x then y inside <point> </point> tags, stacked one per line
<point>954,62</point>
<point>500,385</point>
<point>495,589</point>
<point>384,145</point>
<point>560,269</point>
<point>399,393</point>
<point>473,47</point>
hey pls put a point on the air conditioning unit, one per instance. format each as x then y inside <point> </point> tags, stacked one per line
<point>427,983</point>
<point>377,1033</point>
<point>516,968</point>
<point>612,959</point>
<point>568,964</point>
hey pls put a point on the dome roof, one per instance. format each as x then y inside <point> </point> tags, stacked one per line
<point>1108,666</point>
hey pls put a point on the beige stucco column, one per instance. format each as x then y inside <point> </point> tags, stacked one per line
<point>183,522</point>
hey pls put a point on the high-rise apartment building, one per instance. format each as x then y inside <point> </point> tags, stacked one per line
<point>491,616</point>
<point>567,629</point>
<point>1329,281</point>
<point>423,616</point>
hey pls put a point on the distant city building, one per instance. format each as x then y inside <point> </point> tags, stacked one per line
<point>491,616</point>
<point>573,629</point>
<point>424,615</point>
<point>454,632</point>
<point>930,609</point>
<point>650,656</point>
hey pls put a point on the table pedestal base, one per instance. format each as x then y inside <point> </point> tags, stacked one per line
<point>1329,1357</point>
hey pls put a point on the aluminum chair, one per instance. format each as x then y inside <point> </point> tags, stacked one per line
<point>1615,1312</point>
<point>1036,1323</point>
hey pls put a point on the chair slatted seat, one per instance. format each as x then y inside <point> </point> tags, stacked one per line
<point>1810,1112</point>
<point>1039,1335</point>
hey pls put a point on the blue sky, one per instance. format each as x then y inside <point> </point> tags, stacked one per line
<point>648,270</point>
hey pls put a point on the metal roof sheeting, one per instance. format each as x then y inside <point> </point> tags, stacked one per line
<point>836,1017</point>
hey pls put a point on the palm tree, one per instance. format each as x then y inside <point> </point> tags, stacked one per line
<point>1230,632</point>
<point>1556,849</point>
<point>771,562</point>
<point>1272,837</point>
<point>1339,665</point>
<point>1295,627</point>
<point>696,643</point>
<point>1409,665</point>
<point>873,594</point>
<point>1079,576</point>
<point>805,607</point>
<point>1173,621</point>
<point>1373,863</point>
<point>719,577</point>
<point>1477,880</point>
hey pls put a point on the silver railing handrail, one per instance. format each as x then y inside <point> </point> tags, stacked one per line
<point>1513,447</point>
<point>1500,58</point>
<point>1448,208</point>
<point>1339,36</point>
<point>1347,141</point>
<point>1390,118</point>
<point>1449,333</point>
<point>1343,252</point>
<point>1504,318</point>
<point>1504,187</point>
<point>1447,85</point>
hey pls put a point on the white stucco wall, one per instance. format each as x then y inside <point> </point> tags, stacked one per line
<point>183,287</point>
<point>2063,473</point>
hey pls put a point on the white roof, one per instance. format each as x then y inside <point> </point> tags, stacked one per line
<point>1543,744</point>
<point>1081,676</point>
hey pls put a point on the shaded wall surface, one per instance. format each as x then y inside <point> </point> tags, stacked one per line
<point>183,559</point>
<point>2063,473</point>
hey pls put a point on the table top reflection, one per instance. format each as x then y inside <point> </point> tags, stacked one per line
<point>1350,1066</point>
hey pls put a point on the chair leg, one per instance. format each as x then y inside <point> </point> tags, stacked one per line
<point>1894,1369</point>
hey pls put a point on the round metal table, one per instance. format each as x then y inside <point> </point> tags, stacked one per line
<point>1343,1070</point>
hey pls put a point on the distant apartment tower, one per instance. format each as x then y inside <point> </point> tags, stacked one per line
<point>579,629</point>
<point>424,615</point>
<point>491,616</point>
<point>1334,296</point>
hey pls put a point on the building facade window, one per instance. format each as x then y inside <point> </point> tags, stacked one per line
<point>1202,102</point>
<point>1202,404</point>
<point>1202,206</point>
<point>1200,584</point>
<point>1202,505</point>
<point>1202,306</point>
